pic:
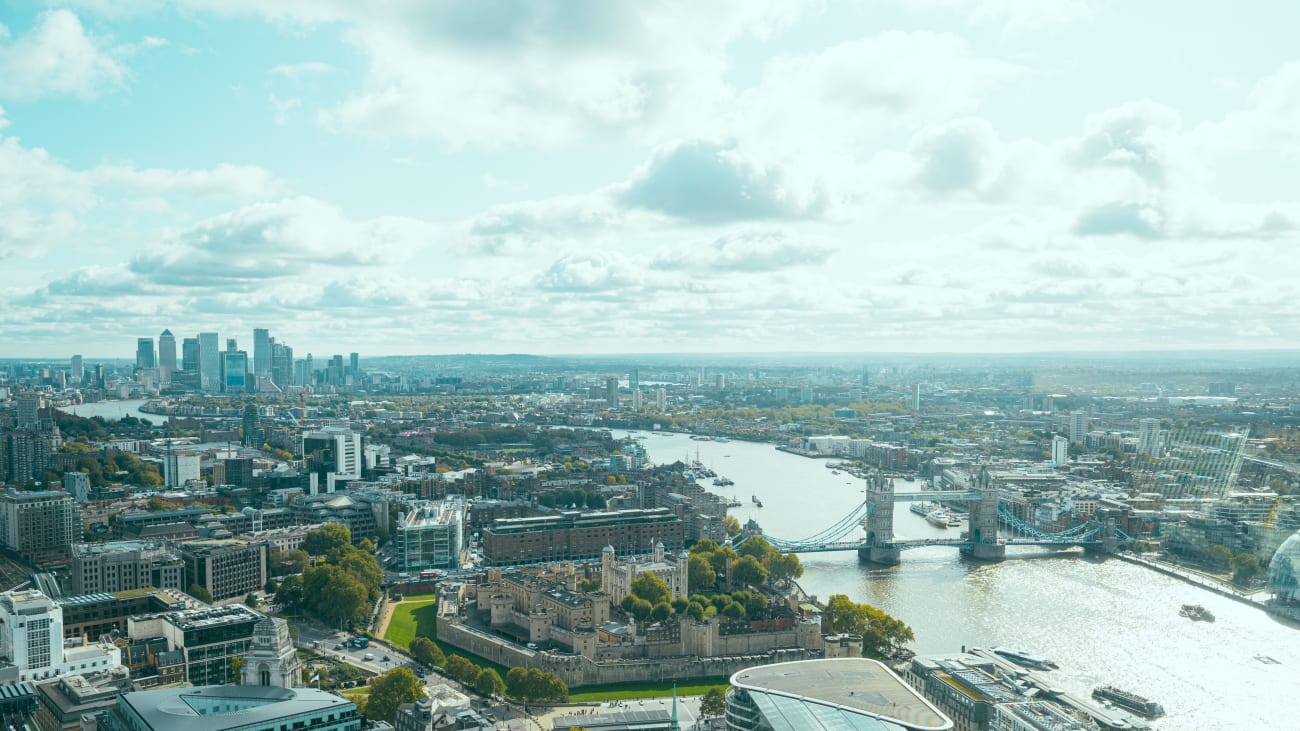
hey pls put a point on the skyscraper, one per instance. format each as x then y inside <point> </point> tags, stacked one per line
<point>611,392</point>
<point>144,354</point>
<point>231,345</point>
<point>166,355</point>
<point>1148,436</point>
<point>634,379</point>
<point>78,373</point>
<point>210,361</point>
<point>262,358</point>
<point>234,372</point>
<point>190,355</point>
<point>281,365</point>
<point>354,362</point>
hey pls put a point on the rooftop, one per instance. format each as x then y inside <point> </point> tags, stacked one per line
<point>220,707</point>
<point>813,694</point>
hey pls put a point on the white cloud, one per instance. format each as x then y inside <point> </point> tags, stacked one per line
<point>57,57</point>
<point>299,71</point>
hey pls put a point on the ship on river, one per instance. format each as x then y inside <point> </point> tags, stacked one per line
<point>1129,701</point>
<point>1196,613</point>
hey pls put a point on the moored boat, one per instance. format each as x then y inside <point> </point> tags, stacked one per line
<point>1028,659</point>
<point>937,518</point>
<point>1130,701</point>
<point>1196,613</point>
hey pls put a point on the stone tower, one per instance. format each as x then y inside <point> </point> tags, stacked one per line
<point>879,524</point>
<point>271,658</point>
<point>984,542</point>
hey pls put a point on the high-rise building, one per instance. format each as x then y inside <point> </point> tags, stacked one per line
<point>231,345</point>
<point>179,468</point>
<point>282,365</point>
<point>77,484</point>
<point>1060,450</point>
<point>262,357</point>
<point>27,410</point>
<point>24,456</point>
<point>1078,426</point>
<point>78,373</point>
<point>661,399</point>
<point>253,436</point>
<point>99,376</point>
<point>166,355</point>
<point>634,379</point>
<point>611,392</point>
<point>430,536</point>
<point>1148,436</point>
<point>125,565</point>
<point>40,525</point>
<point>354,364</point>
<point>209,362</point>
<point>145,357</point>
<point>636,400</point>
<point>332,453</point>
<point>234,372</point>
<point>190,355</point>
<point>226,568</point>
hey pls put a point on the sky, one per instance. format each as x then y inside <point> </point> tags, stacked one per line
<point>587,176</point>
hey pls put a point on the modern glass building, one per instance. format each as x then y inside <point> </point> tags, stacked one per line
<point>229,707</point>
<point>1284,572</point>
<point>839,694</point>
<point>429,537</point>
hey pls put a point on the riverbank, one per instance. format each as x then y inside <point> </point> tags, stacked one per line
<point>1198,579</point>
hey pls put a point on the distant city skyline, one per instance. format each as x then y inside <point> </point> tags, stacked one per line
<point>567,177</point>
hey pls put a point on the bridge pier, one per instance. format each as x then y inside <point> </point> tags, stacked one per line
<point>986,551</point>
<point>884,555</point>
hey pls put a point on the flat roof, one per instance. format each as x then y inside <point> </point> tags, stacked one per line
<point>196,708</point>
<point>866,687</point>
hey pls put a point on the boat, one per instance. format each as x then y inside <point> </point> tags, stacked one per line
<point>1028,659</point>
<point>937,518</point>
<point>757,502</point>
<point>1129,701</point>
<point>723,482</point>
<point>835,472</point>
<point>954,519</point>
<point>922,509</point>
<point>1196,613</point>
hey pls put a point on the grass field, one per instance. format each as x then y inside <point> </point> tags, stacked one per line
<point>632,691</point>
<point>415,617</point>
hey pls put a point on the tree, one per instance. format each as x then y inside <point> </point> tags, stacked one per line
<point>757,547</point>
<point>651,588</point>
<point>426,651</point>
<point>1220,556</point>
<point>252,601</point>
<point>290,593</point>
<point>461,669</point>
<point>732,525</point>
<point>1245,566</point>
<point>237,668</point>
<point>641,609</point>
<point>489,683</point>
<point>784,568</point>
<point>748,571</point>
<point>714,703</point>
<point>661,611</point>
<point>390,690</point>
<point>198,592</point>
<point>271,586</point>
<point>732,610</point>
<point>326,538</point>
<point>284,563</point>
<point>699,574</point>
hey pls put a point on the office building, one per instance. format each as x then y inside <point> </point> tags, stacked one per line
<point>821,695</point>
<point>40,525</point>
<point>145,358</point>
<point>634,379</point>
<point>272,660</point>
<point>226,708</point>
<point>209,639</point>
<point>190,355</point>
<point>430,536</point>
<point>209,361</point>
<point>354,365</point>
<point>31,637</point>
<point>64,701</point>
<point>227,568</point>
<point>124,565</point>
<point>87,617</point>
<point>252,435</point>
<point>234,372</point>
<point>573,535</point>
<point>78,372</point>
<point>332,454</point>
<point>1078,427</point>
<point>166,355</point>
<point>262,353</point>
<point>77,484</point>
<point>179,468</point>
<point>282,371</point>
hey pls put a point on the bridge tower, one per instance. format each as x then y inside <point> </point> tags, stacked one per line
<point>984,543</point>
<point>880,547</point>
<point>1110,540</point>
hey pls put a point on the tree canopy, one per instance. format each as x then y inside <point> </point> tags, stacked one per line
<point>390,690</point>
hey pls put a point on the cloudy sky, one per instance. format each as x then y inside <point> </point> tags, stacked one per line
<point>569,176</point>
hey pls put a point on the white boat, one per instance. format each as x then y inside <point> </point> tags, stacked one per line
<point>937,517</point>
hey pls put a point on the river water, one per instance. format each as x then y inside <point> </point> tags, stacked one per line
<point>1105,621</point>
<point>113,410</point>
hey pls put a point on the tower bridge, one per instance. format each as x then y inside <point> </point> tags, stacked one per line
<point>875,515</point>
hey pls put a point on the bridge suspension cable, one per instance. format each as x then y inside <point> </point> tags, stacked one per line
<point>831,534</point>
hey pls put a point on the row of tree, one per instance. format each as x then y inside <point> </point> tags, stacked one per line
<point>754,562</point>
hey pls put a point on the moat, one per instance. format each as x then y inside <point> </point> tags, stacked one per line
<point>1105,621</point>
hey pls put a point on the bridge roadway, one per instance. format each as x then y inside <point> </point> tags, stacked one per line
<point>925,542</point>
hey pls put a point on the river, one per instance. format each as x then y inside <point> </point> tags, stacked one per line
<point>1105,621</point>
<point>113,410</point>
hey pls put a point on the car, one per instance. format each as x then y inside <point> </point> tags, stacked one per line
<point>369,656</point>
<point>492,717</point>
<point>532,645</point>
<point>386,659</point>
<point>339,646</point>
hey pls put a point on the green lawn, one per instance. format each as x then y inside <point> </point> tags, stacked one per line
<point>415,617</point>
<point>630,691</point>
